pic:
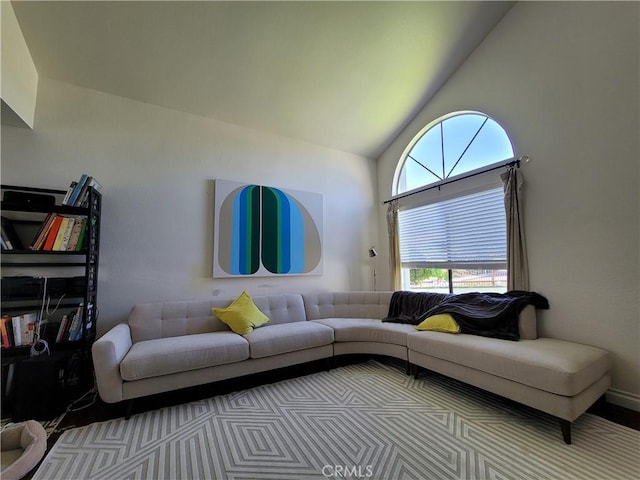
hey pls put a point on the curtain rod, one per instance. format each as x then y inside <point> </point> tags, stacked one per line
<point>510,163</point>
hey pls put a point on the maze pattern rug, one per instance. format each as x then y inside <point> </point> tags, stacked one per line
<point>361,421</point>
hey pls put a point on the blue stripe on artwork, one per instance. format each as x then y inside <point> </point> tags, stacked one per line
<point>285,237</point>
<point>297,239</point>
<point>236,237</point>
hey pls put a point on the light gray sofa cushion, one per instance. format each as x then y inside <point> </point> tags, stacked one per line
<point>173,319</point>
<point>556,366</point>
<point>373,305</point>
<point>368,330</point>
<point>162,356</point>
<point>281,308</point>
<point>284,338</point>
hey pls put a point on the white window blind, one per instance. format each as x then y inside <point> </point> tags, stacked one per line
<point>464,232</point>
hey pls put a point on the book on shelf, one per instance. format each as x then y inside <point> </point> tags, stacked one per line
<point>10,238</point>
<point>72,186</point>
<point>76,333</point>
<point>71,333</point>
<point>28,323</point>
<point>52,233</point>
<point>77,194</point>
<point>72,244</point>
<point>18,330</point>
<point>41,236</point>
<point>83,195</point>
<point>73,197</point>
<point>64,327</point>
<point>60,233</point>
<point>70,328</point>
<point>6,331</point>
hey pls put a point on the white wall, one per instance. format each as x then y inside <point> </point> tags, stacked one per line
<point>19,85</point>
<point>156,166</point>
<point>562,78</point>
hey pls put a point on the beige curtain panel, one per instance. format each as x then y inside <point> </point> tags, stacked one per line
<point>394,244</point>
<point>517,263</point>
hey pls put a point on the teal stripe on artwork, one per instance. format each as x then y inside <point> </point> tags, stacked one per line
<point>275,231</point>
<point>270,230</point>
<point>282,233</point>
<point>245,254</point>
<point>253,233</point>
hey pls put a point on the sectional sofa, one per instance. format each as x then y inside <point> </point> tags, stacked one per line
<point>173,345</point>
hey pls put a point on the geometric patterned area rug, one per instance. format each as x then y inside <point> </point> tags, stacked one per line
<point>368,420</point>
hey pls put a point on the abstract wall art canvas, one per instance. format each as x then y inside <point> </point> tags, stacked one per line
<point>264,231</point>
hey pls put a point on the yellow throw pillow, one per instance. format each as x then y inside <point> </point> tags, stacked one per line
<point>440,323</point>
<point>242,315</point>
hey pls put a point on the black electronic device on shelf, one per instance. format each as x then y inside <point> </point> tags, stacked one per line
<point>50,257</point>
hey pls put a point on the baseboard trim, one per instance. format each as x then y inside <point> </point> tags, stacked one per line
<point>623,399</point>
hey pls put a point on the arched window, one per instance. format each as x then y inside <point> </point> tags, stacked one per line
<point>450,146</point>
<point>453,243</point>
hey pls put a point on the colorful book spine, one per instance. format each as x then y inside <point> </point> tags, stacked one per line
<point>67,234</point>
<point>77,189</point>
<point>57,244</point>
<point>81,237</point>
<point>64,327</point>
<point>41,236</point>
<point>53,233</point>
<point>75,234</point>
<point>5,331</point>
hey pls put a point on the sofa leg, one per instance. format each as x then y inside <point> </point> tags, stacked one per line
<point>565,426</point>
<point>128,409</point>
<point>329,363</point>
<point>416,371</point>
<point>409,367</point>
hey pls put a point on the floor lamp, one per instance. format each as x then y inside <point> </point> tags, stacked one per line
<point>372,254</point>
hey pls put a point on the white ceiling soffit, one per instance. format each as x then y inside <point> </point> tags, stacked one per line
<point>345,75</point>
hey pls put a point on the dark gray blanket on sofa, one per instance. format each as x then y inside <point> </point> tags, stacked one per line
<point>410,307</point>
<point>485,314</point>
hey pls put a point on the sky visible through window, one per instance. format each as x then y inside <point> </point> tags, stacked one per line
<point>454,146</point>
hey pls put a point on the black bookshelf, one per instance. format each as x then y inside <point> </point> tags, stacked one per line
<point>70,280</point>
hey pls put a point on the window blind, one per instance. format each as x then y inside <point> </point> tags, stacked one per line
<point>464,232</point>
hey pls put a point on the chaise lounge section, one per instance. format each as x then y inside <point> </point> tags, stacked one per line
<point>173,345</point>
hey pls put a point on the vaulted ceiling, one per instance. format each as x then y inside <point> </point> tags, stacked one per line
<point>345,75</point>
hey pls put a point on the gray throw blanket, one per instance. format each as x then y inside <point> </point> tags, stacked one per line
<point>485,314</point>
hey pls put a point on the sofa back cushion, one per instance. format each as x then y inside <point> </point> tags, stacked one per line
<point>282,308</point>
<point>172,319</point>
<point>347,305</point>
<point>376,305</point>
